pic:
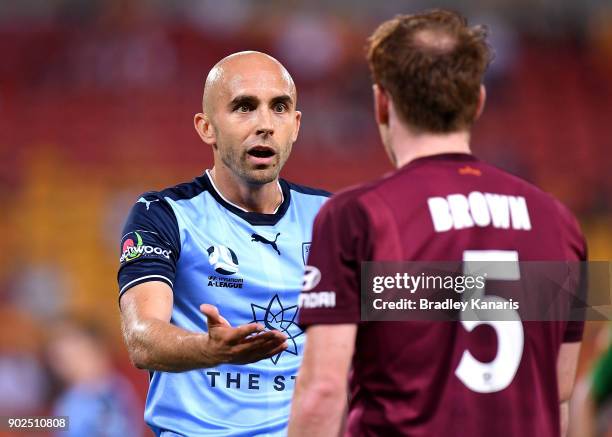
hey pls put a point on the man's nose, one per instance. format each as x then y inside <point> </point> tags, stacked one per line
<point>265,125</point>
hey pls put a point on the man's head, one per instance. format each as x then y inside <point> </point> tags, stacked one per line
<point>429,68</point>
<point>77,351</point>
<point>249,116</point>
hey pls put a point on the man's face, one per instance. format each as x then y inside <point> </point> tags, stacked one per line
<point>253,119</point>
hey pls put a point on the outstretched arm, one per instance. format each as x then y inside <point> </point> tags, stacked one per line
<point>156,344</point>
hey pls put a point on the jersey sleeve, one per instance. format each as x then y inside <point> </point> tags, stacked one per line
<point>150,245</point>
<point>331,292</point>
<point>575,248</point>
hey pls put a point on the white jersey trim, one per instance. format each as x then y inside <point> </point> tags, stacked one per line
<point>212,182</point>
<point>126,286</point>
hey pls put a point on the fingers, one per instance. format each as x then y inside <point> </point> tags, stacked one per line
<point>213,318</point>
<point>241,332</point>
<point>276,350</point>
<point>255,352</point>
<point>211,312</point>
<point>263,354</point>
<point>224,320</point>
<point>275,336</point>
<point>243,344</point>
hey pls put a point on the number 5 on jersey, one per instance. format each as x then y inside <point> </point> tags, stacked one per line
<point>498,374</point>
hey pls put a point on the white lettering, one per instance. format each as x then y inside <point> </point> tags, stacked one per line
<point>519,213</point>
<point>460,211</point>
<point>498,205</point>
<point>478,209</point>
<point>326,299</point>
<point>440,214</point>
<point>135,252</point>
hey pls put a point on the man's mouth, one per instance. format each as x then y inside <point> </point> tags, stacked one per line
<point>261,152</point>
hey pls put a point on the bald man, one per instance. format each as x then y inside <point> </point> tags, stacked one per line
<point>211,269</point>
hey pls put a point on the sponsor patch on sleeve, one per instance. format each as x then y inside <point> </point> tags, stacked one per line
<point>141,244</point>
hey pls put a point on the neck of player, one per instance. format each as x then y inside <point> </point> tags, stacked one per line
<point>261,198</point>
<point>408,145</point>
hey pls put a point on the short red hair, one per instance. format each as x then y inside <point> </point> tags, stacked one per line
<point>432,65</point>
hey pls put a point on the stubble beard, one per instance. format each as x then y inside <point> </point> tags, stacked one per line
<point>254,176</point>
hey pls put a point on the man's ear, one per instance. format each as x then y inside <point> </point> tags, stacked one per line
<point>482,97</point>
<point>298,120</point>
<point>381,104</point>
<point>204,128</point>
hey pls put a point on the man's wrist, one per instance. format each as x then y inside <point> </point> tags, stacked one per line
<point>208,357</point>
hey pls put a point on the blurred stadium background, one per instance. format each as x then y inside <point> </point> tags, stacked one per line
<point>96,106</point>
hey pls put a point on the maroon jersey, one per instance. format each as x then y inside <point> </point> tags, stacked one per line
<point>444,378</point>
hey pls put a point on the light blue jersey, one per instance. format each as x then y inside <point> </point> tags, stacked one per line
<point>250,266</point>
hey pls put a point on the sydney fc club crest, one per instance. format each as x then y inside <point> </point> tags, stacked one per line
<point>305,251</point>
<point>275,316</point>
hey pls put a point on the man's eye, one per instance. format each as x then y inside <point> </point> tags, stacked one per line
<point>280,107</point>
<point>243,108</point>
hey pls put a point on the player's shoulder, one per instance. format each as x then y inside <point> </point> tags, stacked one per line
<point>566,220</point>
<point>352,200</point>
<point>155,205</point>
<point>305,190</point>
<point>515,180</point>
<point>306,199</point>
<point>571,228</point>
<point>181,191</point>
<point>531,189</point>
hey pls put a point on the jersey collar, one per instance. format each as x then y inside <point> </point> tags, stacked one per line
<point>444,157</point>
<point>253,218</point>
